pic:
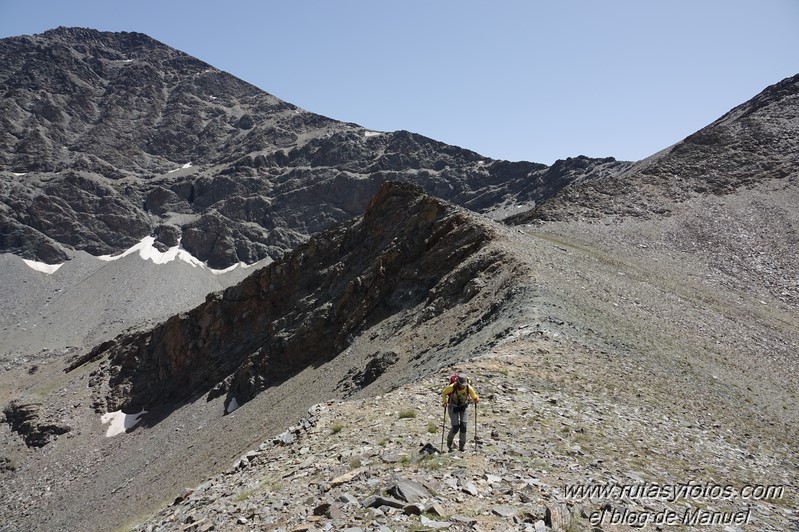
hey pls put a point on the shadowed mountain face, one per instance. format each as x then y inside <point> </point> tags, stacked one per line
<point>407,253</point>
<point>110,137</point>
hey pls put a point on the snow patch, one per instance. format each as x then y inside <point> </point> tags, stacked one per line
<point>228,269</point>
<point>42,267</point>
<point>267,259</point>
<point>18,174</point>
<point>187,165</point>
<point>242,265</point>
<point>120,422</point>
<point>147,251</point>
<point>371,133</point>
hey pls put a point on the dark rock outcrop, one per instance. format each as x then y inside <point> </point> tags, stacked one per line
<point>23,417</point>
<point>404,253</point>
<point>111,137</point>
<point>7,464</point>
<point>376,366</point>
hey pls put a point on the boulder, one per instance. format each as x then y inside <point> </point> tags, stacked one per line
<point>409,491</point>
<point>558,517</point>
<point>376,501</point>
<point>435,524</point>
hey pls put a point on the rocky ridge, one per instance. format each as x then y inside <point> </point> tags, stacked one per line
<point>404,289</point>
<point>410,257</point>
<point>753,143</point>
<point>620,359</point>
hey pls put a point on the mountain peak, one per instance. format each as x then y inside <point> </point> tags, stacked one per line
<point>87,36</point>
<point>753,143</point>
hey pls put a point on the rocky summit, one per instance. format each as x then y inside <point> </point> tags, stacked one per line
<point>631,328</point>
<point>754,143</point>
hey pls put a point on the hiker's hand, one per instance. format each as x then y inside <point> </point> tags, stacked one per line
<point>444,404</point>
<point>476,400</point>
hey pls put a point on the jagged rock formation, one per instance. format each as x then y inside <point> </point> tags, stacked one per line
<point>600,356</point>
<point>755,142</point>
<point>109,137</point>
<point>359,309</point>
<point>409,254</point>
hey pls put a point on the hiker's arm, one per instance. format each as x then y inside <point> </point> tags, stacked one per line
<point>445,394</point>
<point>473,394</point>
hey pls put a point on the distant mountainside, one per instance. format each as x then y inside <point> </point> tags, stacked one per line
<point>753,143</point>
<point>106,138</point>
<point>89,300</point>
<point>729,190</point>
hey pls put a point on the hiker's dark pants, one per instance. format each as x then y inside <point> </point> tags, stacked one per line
<point>459,415</point>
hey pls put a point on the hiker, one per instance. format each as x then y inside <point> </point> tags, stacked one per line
<point>456,397</point>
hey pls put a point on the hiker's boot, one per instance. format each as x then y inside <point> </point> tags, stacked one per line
<point>451,438</point>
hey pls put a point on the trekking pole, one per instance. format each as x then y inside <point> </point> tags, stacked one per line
<point>475,426</point>
<point>443,424</point>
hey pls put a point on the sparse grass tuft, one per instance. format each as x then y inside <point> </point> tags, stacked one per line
<point>335,428</point>
<point>432,516</point>
<point>433,462</point>
<point>243,495</point>
<point>407,414</point>
<point>432,428</point>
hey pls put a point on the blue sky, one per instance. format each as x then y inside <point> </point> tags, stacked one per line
<point>519,80</point>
